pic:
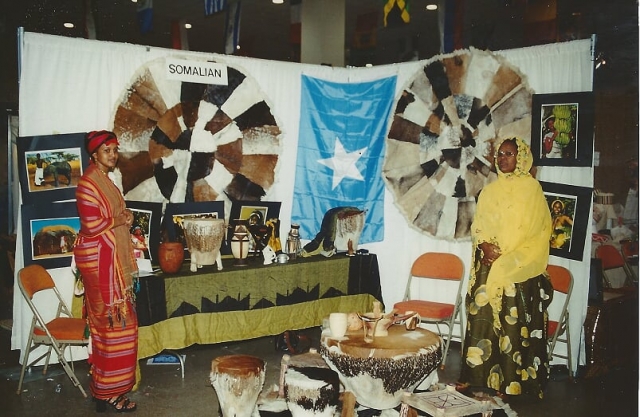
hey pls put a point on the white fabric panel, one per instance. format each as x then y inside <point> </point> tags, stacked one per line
<point>73,85</point>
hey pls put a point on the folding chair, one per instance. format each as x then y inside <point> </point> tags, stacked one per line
<point>59,333</point>
<point>442,267</point>
<point>614,267</point>
<point>558,330</point>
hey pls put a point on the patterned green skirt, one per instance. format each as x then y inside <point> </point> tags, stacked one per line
<point>511,359</point>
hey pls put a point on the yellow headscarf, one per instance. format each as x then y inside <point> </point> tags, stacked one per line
<point>512,213</point>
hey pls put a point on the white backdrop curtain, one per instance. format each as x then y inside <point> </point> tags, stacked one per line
<point>73,85</point>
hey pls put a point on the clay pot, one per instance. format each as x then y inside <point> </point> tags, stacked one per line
<point>170,256</point>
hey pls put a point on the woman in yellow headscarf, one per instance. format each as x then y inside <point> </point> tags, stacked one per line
<point>505,345</point>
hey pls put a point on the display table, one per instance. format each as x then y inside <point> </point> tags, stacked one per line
<point>238,303</point>
<point>379,372</point>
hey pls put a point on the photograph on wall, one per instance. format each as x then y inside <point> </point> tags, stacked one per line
<point>562,129</point>
<point>569,208</point>
<point>50,166</point>
<point>49,233</point>
<point>145,229</point>
<point>260,216</point>
<point>175,213</point>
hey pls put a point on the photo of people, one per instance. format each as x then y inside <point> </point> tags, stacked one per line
<point>52,238</point>
<point>51,169</point>
<point>562,210</point>
<point>140,230</point>
<point>558,130</point>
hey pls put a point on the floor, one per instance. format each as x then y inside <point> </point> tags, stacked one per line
<point>162,391</point>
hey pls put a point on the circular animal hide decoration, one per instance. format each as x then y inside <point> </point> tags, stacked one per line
<point>440,144</point>
<point>183,142</point>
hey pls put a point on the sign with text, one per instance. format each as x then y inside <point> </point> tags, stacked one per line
<point>196,71</point>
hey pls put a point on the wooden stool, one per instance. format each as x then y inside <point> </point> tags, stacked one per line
<point>237,380</point>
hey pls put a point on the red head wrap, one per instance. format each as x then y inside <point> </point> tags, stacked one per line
<point>93,140</point>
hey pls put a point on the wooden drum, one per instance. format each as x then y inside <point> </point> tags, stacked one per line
<point>238,380</point>
<point>204,237</point>
<point>379,372</point>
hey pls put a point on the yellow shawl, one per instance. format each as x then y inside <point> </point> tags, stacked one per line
<point>512,213</point>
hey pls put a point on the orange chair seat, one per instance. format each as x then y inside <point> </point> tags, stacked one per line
<point>553,325</point>
<point>64,328</point>
<point>427,309</point>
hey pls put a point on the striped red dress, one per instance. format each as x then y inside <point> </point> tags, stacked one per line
<point>104,257</point>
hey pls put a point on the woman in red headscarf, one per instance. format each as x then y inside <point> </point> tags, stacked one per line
<point>105,260</point>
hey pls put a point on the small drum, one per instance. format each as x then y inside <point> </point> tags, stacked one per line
<point>311,391</point>
<point>204,238</point>
<point>238,380</point>
<point>349,226</point>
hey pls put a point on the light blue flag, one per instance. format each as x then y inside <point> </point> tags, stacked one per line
<point>341,151</point>
<point>214,6</point>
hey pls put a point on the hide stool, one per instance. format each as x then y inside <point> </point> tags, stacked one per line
<point>310,387</point>
<point>238,380</point>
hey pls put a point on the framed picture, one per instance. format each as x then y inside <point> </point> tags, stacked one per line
<point>175,212</point>
<point>50,166</point>
<point>145,229</point>
<point>562,129</point>
<point>49,232</point>
<point>255,212</point>
<point>569,206</point>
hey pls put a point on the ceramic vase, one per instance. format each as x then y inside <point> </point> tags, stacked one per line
<point>170,256</point>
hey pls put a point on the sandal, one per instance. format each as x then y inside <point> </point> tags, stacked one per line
<point>120,404</point>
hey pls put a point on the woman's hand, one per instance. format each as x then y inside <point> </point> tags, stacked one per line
<point>126,218</point>
<point>490,252</point>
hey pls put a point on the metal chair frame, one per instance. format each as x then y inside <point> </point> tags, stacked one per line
<point>444,267</point>
<point>33,279</point>
<point>611,259</point>
<point>562,281</point>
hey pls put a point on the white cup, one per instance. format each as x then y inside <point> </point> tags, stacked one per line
<point>338,324</point>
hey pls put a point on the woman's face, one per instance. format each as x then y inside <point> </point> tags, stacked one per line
<point>507,156</point>
<point>106,157</point>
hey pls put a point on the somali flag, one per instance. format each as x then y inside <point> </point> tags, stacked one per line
<point>341,151</point>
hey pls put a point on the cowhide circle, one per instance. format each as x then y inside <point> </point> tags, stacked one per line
<point>440,143</point>
<point>184,142</point>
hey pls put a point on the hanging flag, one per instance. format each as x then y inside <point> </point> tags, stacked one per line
<point>214,6</point>
<point>179,38</point>
<point>366,30</point>
<point>451,36</point>
<point>341,152</point>
<point>232,30</point>
<point>89,21</point>
<point>145,15</point>
<point>396,12</point>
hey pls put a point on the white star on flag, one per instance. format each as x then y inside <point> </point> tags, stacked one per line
<point>343,163</point>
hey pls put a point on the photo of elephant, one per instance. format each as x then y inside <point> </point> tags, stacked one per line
<point>52,169</point>
<point>53,237</point>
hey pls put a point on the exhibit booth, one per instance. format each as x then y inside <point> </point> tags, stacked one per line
<point>71,86</point>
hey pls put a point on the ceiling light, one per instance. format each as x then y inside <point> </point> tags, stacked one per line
<point>69,25</point>
<point>187,25</point>
<point>277,1</point>
<point>432,7</point>
<point>134,1</point>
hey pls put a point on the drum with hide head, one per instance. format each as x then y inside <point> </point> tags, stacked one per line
<point>204,239</point>
<point>238,380</point>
